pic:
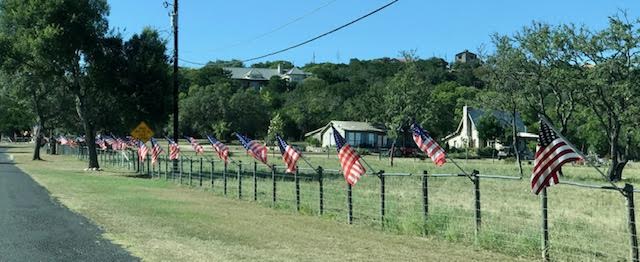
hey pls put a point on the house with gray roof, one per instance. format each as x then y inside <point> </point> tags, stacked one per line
<point>466,135</point>
<point>357,134</point>
<point>259,77</point>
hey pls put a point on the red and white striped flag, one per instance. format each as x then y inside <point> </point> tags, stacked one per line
<point>143,150</point>
<point>349,159</point>
<point>254,148</point>
<point>289,154</point>
<point>552,153</point>
<point>174,150</point>
<point>156,150</point>
<point>194,143</point>
<point>428,145</point>
<point>220,148</point>
<point>100,142</point>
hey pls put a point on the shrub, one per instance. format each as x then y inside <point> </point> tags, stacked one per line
<point>312,141</point>
<point>487,152</point>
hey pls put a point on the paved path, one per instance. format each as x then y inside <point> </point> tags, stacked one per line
<point>33,227</point>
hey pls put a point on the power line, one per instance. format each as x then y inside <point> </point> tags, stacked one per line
<point>250,40</point>
<point>191,62</point>
<point>322,35</point>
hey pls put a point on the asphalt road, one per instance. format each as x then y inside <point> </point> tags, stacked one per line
<point>34,227</point>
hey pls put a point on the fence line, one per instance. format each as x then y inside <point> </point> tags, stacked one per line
<point>461,210</point>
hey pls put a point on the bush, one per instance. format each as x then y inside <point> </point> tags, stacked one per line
<point>487,152</point>
<point>312,141</point>
<point>363,151</point>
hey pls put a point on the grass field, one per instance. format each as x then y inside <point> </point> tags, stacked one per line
<point>161,221</point>
<point>584,224</point>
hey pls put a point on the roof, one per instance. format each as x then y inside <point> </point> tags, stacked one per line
<point>503,118</point>
<point>260,73</point>
<point>349,126</point>
<point>296,71</point>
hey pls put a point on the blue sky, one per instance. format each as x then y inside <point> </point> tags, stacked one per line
<point>217,29</point>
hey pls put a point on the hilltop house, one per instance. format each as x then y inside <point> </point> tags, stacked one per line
<point>259,77</point>
<point>357,134</point>
<point>466,135</point>
<point>466,57</point>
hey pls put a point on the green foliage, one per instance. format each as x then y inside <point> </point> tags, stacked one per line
<point>274,64</point>
<point>276,126</point>
<point>490,128</point>
<point>312,141</point>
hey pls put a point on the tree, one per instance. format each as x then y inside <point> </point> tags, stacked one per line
<point>276,126</point>
<point>489,128</point>
<point>611,86</point>
<point>63,39</point>
<point>274,64</point>
<point>145,93</point>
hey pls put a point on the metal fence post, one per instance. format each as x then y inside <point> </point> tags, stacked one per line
<point>240,180</point>
<point>633,237</point>
<point>190,170</point>
<point>200,174</point>
<point>255,181</point>
<point>166,168</point>
<point>181,167</point>
<point>425,198</point>
<point>349,205</point>
<point>149,167</point>
<point>224,178</point>
<point>296,179</point>
<point>545,226</point>
<point>382,197</point>
<point>476,185</point>
<point>321,189</point>
<point>212,169</point>
<point>273,179</point>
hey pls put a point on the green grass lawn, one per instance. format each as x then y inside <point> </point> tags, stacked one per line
<point>584,224</point>
<point>159,220</point>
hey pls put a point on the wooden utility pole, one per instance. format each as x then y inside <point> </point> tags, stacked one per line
<point>175,70</point>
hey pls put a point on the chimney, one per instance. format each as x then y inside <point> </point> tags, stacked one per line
<point>279,69</point>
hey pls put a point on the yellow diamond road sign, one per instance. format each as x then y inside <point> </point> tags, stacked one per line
<point>142,132</point>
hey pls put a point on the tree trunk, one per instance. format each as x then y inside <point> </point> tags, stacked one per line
<point>618,159</point>
<point>515,139</point>
<point>52,143</point>
<point>89,130</point>
<point>38,140</point>
<point>391,153</point>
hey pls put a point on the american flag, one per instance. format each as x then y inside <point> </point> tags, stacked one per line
<point>349,159</point>
<point>174,149</point>
<point>221,149</point>
<point>122,144</point>
<point>552,153</point>
<point>156,150</point>
<point>289,154</point>
<point>100,142</point>
<point>63,140</point>
<point>428,145</point>
<point>72,143</point>
<point>110,141</point>
<point>143,150</point>
<point>254,148</point>
<point>194,143</point>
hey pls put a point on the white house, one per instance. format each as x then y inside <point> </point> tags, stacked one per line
<point>259,77</point>
<point>467,132</point>
<point>357,134</point>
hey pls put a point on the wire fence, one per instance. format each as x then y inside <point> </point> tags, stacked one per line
<point>498,213</point>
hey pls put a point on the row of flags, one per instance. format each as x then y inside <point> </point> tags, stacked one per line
<point>552,152</point>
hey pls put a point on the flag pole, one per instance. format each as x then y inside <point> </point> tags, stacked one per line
<point>307,161</point>
<point>546,121</point>
<point>458,166</point>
